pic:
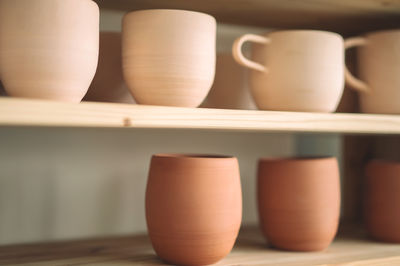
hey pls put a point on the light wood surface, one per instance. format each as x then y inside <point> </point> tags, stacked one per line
<point>350,248</point>
<point>22,112</point>
<point>345,16</point>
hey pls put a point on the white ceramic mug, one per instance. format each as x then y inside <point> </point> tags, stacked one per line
<point>48,48</point>
<point>295,70</point>
<point>169,56</point>
<point>379,69</point>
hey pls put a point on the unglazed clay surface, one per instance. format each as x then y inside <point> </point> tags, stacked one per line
<point>299,202</point>
<point>379,70</point>
<point>108,84</point>
<point>193,207</point>
<point>230,89</point>
<point>382,200</point>
<point>295,70</point>
<point>49,48</point>
<point>169,56</point>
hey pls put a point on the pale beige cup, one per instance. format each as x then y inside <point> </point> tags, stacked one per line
<point>48,48</point>
<point>169,56</point>
<point>230,89</point>
<point>295,70</point>
<point>379,69</point>
<point>108,84</point>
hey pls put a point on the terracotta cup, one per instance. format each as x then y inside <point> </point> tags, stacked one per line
<point>108,84</point>
<point>379,69</point>
<point>299,202</point>
<point>382,200</point>
<point>295,70</point>
<point>193,207</point>
<point>169,56</point>
<point>230,89</point>
<point>48,48</point>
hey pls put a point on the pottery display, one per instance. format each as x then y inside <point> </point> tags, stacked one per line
<point>299,202</point>
<point>230,89</point>
<point>108,84</point>
<point>378,67</point>
<point>48,48</point>
<point>193,207</point>
<point>294,70</point>
<point>169,56</point>
<point>382,200</point>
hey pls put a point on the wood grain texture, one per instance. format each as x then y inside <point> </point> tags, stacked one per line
<point>22,112</point>
<point>344,16</point>
<point>350,248</point>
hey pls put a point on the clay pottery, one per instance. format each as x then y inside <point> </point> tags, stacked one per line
<point>169,56</point>
<point>299,202</point>
<point>378,67</point>
<point>193,207</point>
<point>230,89</point>
<point>48,48</point>
<point>294,70</point>
<point>382,200</point>
<point>108,84</point>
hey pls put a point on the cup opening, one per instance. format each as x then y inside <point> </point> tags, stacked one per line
<point>193,155</point>
<point>296,158</point>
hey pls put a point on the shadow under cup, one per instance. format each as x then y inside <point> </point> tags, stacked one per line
<point>299,202</point>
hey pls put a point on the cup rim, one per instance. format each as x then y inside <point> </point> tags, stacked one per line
<point>170,10</point>
<point>332,33</point>
<point>378,32</point>
<point>192,156</point>
<point>297,158</point>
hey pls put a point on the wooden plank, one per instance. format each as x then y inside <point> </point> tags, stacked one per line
<point>22,112</point>
<point>345,16</point>
<point>350,248</point>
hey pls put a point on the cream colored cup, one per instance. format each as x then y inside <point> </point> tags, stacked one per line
<point>379,69</point>
<point>169,56</point>
<point>230,89</point>
<point>48,48</point>
<point>295,70</point>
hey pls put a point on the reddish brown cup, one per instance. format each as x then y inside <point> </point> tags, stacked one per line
<point>299,202</point>
<point>382,200</point>
<point>193,207</point>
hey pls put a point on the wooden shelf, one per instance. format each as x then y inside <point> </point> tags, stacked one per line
<point>22,112</point>
<point>350,248</point>
<point>345,16</point>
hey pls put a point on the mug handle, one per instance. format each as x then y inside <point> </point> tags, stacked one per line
<point>354,82</point>
<point>241,59</point>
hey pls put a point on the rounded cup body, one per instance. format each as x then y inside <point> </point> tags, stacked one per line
<point>305,71</point>
<point>169,56</point>
<point>193,207</point>
<point>108,84</point>
<point>48,48</point>
<point>379,66</point>
<point>299,202</point>
<point>382,200</point>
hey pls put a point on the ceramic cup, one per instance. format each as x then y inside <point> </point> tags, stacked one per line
<point>48,48</point>
<point>382,200</point>
<point>299,202</point>
<point>108,84</point>
<point>379,69</point>
<point>169,56</point>
<point>230,89</point>
<point>295,70</point>
<point>193,207</point>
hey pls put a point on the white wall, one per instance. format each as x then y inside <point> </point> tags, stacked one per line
<point>58,183</point>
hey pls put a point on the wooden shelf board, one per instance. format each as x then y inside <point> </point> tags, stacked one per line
<point>345,16</point>
<point>38,113</point>
<point>350,248</point>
